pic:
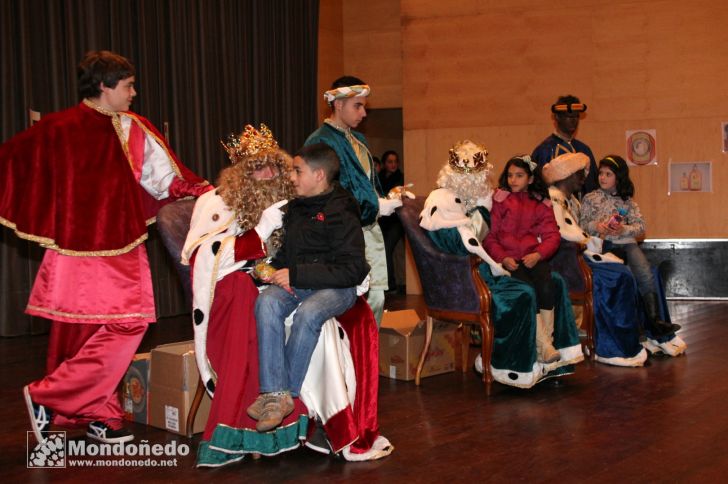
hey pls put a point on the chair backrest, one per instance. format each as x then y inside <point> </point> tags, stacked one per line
<point>446,279</point>
<point>173,223</point>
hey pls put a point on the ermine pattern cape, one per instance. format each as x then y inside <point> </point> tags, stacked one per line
<point>330,388</point>
<point>444,210</point>
<point>568,223</point>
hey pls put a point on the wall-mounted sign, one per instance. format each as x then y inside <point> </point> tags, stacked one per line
<point>642,147</point>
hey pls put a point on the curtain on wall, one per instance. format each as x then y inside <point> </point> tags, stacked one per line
<point>204,69</point>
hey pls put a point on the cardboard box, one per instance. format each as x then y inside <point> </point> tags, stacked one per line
<point>135,389</point>
<point>172,384</point>
<point>401,339</point>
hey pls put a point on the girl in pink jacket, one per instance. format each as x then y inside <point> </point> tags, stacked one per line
<point>523,236</point>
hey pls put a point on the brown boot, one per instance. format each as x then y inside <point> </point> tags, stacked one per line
<point>256,409</point>
<point>544,337</point>
<point>277,406</point>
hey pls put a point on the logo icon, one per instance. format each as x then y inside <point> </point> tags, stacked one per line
<point>49,454</point>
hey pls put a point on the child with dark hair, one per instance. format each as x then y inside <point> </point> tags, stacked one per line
<point>318,267</point>
<point>611,214</point>
<point>523,236</point>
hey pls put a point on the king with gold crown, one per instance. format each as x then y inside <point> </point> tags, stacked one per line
<point>234,230</point>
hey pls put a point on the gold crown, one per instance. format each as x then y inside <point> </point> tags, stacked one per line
<point>249,143</point>
<point>468,157</point>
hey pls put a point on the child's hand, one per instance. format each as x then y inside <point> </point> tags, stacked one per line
<point>509,263</point>
<point>530,260</point>
<point>615,229</point>
<point>280,278</point>
<point>603,229</point>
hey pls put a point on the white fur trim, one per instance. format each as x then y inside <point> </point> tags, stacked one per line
<point>212,222</point>
<point>674,347</point>
<point>380,448</point>
<point>236,459</point>
<point>569,356</point>
<point>563,166</point>
<point>595,244</point>
<point>209,217</point>
<point>602,258</point>
<point>447,212</point>
<point>569,231</point>
<point>442,211</point>
<point>635,361</point>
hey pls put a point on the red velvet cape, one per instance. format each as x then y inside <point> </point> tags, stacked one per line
<point>68,184</point>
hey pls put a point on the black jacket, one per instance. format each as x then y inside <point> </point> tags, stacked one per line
<point>323,242</point>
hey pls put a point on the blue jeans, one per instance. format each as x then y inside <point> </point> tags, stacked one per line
<point>283,365</point>
<point>640,267</point>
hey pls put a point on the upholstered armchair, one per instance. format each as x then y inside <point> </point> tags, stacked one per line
<point>569,263</point>
<point>453,289</point>
<point>173,223</point>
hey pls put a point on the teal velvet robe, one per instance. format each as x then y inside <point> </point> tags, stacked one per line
<point>352,175</point>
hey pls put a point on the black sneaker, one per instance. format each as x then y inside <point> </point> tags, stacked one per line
<point>103,433</point>
<point>40,416</point>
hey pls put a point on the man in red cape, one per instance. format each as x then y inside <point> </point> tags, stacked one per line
<point>85,183</point>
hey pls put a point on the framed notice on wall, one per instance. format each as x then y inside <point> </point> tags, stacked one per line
<point>641,147</point>
<point>724,136</point>
<point>690,177</point>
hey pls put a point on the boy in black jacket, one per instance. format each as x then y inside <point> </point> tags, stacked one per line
<point>318,267</point>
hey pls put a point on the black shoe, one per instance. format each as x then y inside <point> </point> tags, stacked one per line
<point>554,382</point>
<point>103,433</point>
<point>657,325</point>
<point>664,328</point>
<point>40,416</point>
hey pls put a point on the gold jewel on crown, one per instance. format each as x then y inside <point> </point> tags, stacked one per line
<point>249,143</point>
<point>468,157</point>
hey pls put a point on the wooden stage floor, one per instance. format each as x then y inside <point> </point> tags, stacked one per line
<point>665,422</point>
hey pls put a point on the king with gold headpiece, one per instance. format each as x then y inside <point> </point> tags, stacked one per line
<point>250,142</point>
<point>468,157</point>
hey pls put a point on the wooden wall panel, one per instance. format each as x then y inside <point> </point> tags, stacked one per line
<point>489,71</point>
<point>372,49</point>
<point>330,48</point>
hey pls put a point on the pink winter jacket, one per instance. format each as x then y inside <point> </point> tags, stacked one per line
<point>516,224</point>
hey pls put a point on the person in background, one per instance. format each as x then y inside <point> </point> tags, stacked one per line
<point>566,113</point>
<point>347,99</point>
<point>377,165</point>
<point>391,177</point>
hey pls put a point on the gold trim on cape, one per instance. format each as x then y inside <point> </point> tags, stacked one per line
<point>48,243</point>
<point>89,316</point>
